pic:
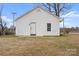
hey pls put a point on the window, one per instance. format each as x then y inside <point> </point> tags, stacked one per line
<point>48,26</point>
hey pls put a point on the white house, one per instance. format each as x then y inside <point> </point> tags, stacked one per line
<point>37,22</point>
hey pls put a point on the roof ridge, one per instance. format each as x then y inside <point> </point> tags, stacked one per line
<point>34,9</point>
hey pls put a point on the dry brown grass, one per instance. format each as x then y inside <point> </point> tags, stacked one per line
<point>24,46</point>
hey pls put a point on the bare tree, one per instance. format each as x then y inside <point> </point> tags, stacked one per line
<point>57,8</point>
<point>2,24</point>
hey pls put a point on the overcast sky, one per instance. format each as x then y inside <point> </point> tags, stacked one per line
<point>71,17</point>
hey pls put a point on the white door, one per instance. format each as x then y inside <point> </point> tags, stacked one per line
<point>33,28</point>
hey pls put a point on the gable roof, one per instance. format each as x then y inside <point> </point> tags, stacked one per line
<point>33,10</point>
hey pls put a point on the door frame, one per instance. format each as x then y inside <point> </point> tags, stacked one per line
<point>30,29</point>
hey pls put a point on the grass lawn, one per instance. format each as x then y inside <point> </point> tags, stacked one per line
<point>30,46</point>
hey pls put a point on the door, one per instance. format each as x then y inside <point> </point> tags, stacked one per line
<point>33,29</point>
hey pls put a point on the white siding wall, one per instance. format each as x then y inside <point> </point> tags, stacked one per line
<point>41,18</point>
